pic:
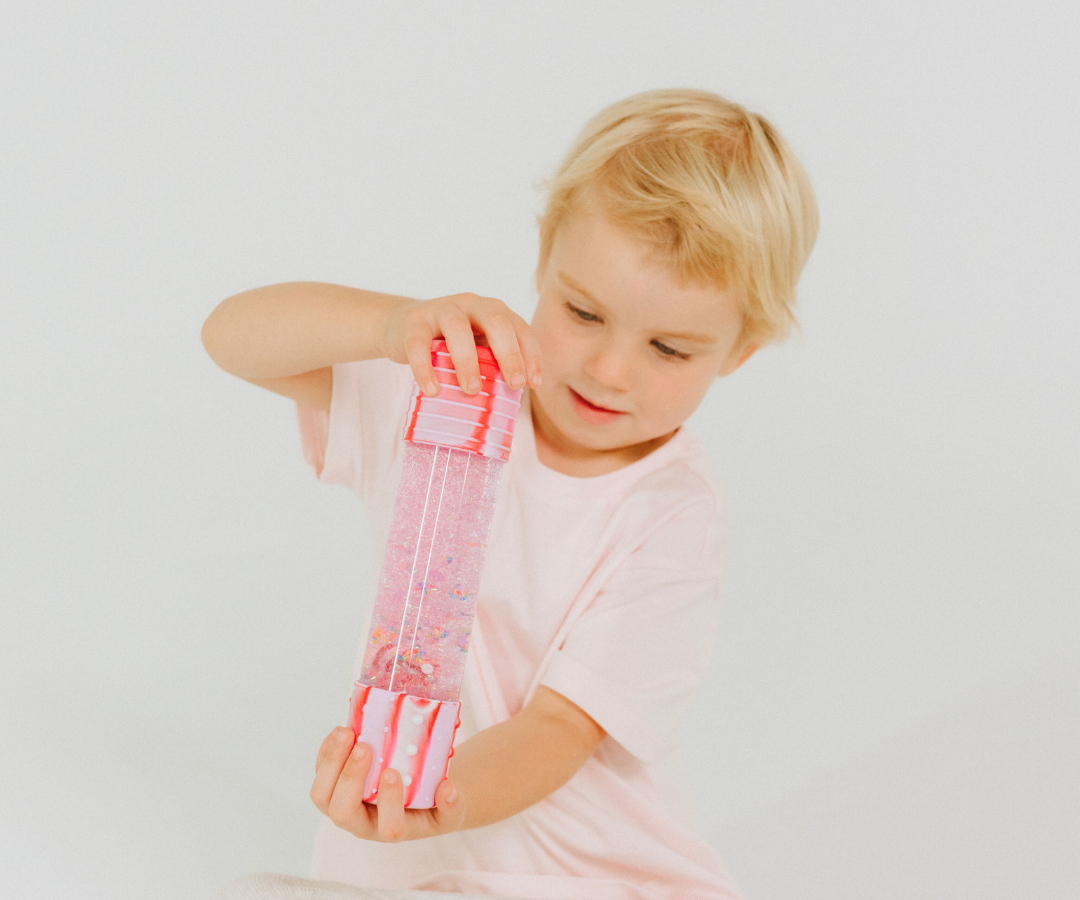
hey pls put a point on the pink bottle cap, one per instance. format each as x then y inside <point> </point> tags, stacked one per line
<point>482,423</point>
<point>412,735</point>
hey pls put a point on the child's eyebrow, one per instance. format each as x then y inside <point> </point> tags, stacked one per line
<point>689,337</point>
<point>573,285</point>
<point>703,339</point>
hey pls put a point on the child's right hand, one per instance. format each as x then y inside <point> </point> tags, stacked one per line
<point>459,319</point>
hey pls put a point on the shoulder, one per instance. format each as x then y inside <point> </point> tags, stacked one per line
<point>356,444</point>
<point>678,503</point>
<point>676,476</point>
<point>373,380</point>
<point>370,398</point>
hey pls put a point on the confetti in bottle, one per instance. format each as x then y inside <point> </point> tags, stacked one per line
<point>405,703</point>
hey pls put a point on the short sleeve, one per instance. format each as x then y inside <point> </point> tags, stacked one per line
<point>642,647</point>
<point>357,443</point>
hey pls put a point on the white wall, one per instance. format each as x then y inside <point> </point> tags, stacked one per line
<point>893,703</point>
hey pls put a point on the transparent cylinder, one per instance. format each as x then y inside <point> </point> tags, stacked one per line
<point>431,570</point>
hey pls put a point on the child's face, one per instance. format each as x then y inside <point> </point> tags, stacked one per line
<point>628,350</point>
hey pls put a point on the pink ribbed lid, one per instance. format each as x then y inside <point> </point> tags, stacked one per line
<point>482,423</point>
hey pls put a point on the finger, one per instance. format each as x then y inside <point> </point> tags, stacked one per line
<point>347,809</point>
<point>530,351</point>
<point>502,338</point>
<point>329,765</point>
<point>391,805</point>
<point>449,812</point>
<point>418,352</point>
<point>457,331</point>
<point>338,734</point>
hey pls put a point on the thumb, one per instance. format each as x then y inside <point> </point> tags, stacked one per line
<point>449,812</point>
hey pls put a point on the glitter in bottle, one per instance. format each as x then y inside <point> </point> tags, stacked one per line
<point>431,572</point>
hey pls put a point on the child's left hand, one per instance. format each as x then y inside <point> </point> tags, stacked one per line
<point>338,791</point>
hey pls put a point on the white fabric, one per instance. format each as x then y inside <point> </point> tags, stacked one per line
<point>604,589</point>
<point>267,886</point>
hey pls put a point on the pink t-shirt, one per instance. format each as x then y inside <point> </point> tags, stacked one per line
<point>604,589</point>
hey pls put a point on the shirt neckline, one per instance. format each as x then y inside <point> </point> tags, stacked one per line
<point>524,449</point>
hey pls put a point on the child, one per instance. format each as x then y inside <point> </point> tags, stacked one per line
<point>670,247</point>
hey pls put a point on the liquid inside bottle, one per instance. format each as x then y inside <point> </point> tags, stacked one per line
<point>434,559</point>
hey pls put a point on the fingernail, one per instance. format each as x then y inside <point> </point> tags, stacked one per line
<point>360,750</point>
<point>536,379</point>
<point>517,381</point>
<point>432,388</point>
<point>391,776</point>
<point>451,795</point>
<point>341,735</point>
<point>474,385</point>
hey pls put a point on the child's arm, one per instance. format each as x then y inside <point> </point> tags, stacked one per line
<point>285,337</point>
<point>497,773</point>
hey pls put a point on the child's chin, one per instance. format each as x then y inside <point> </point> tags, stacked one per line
<point>600,439</point>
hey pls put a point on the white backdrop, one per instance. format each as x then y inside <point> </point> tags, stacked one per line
<point>893,705</point>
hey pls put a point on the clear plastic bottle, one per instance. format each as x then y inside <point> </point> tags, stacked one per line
<point>405,703</point>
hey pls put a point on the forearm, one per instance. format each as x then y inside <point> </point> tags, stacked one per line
<point>510,766</point>
<point>287,329</point>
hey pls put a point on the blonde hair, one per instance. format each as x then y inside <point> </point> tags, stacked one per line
<point>711,186</point>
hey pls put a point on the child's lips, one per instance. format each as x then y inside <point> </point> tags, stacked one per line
<point>590,412</point>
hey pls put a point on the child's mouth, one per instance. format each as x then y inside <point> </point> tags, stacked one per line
<point>590,412</point>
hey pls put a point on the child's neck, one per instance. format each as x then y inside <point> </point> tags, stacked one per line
<point>555,452</point>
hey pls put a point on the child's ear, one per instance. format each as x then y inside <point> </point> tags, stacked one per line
<point>730,365</point>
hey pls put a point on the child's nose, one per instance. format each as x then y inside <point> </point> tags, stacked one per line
<point>609,366</point>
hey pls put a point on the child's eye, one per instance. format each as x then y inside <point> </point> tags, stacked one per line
<point>582,314</point>
<point>670,351</point>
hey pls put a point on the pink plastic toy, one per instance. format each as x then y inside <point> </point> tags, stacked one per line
<point>405,704</point>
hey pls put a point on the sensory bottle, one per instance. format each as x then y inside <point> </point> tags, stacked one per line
<point>405,704</point>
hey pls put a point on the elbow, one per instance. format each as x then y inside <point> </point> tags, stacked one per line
<point>212,339</point>
<point>208,336</point>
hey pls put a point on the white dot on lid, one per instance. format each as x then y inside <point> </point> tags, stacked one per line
<point>406,780</point>
<point>380,759</point>
<point>427,668</point>
<point>386,728</point>
<point>418,719</point>
<point>411,750</point>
